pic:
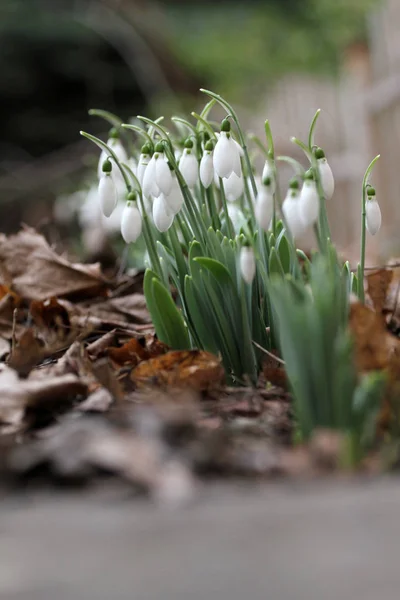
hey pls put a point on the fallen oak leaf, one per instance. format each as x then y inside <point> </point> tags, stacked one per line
<point>37,272</point>
<point>378,285</point>
<point>195,369</point>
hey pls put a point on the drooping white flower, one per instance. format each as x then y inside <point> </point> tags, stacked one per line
<point>207,168</point>
<point>291,212</point>
<point>373,216</point>
<point>149,184</point>
<point>268,175</point>
<point>227,153</point>
<point>327,180</point>
<point>264,207</point>
<point>115,144</point>
<point>158,173</point>
<point>107,193</point>
<point>247,264</point>
<point>162,215</point>
<point>188,166</point>
<point>131,223</point>
<point>144,160</point>
<point>233,186</point>
<point>175,198</point>
<point>237,217</point>
<point>309,203</point>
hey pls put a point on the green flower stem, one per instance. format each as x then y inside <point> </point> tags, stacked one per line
<point>225,209</point>
<point>103,146</point>
<point>183,229</point>
<point>312,129</point>
<point>116,122</point>
<point>298,167</point>
<point>361,294</point>
<point>161,130</point>
<point>211,208</point>
<point>140,131</point>
<point>192,129</point>
<point>205,124</point>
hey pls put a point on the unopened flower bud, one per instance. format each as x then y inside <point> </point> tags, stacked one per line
<point>247,264</point>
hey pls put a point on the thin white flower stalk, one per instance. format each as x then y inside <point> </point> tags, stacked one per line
<point>325,173</point>
<point>206,170</point>
<point>264,207</point>
<point>188,165</point>
<point>233,187</point>
<point>143,163</point>
<point>162,215</point>
<point>247,264</point>
<point>107,191</point>
<point>175,198</point>
<point>131,221</point>
<point>373,216</point>
<point>309,202</point>
<point>291,212</point>
<point>227,153</point>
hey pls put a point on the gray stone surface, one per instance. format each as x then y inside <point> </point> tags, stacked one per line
<point>272,542</point>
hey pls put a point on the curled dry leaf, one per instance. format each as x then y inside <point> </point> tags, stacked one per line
<point>195,369</point>
<point>37,272</point>
<point>137,350</point>
<point>378,285</point>
<point>27,353</point>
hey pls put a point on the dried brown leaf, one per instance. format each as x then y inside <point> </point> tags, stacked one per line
<point>195,369</point>
<point>29,351</point>
<point>378,284</point>
<point>38,273</point>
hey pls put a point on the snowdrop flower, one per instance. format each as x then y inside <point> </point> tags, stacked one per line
<point>115,144</point>
<point>233,186</point>
<point>325,173</point>
<point>264,205</point>
<point>237,217</point>
<point>373,217</point>
<point>157,178</point>
<point>227,153</point>
<point>175,198</point>
<point>290,209</point>
<point>247,264</point>
<point>131,221</point>
<point>188,165</point>
<point>107,191</point>
<point>144,160</point>
<point>309,202</point>
<point>162,215</point>
<point>207,165</point>
<point>268,173</point>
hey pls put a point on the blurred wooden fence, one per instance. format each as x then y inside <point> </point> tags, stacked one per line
<point>360,118</point>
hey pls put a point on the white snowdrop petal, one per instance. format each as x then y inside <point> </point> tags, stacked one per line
<point>290,209</point>
<point>373,216</point>
<point>107,195</point>
<point>163,175</point>
<point>269,173</point>
<point>233,186</point>
<point>206,169</point>
<point>149,186</point>
<point>223,157</point>
<point>327,180</point>
<point>118,149</point>
<point>189,167</point>
<point>103,156</point>
<point>162,216</point>
<point>142,166</point>
<point>309,203</point>
<point>131,223</point>
<point>247,264</point>
<point>237,217</point>
<point>236,166</point>
<point>264,209</point>
<point>175,199</point>
<point>239,148</point>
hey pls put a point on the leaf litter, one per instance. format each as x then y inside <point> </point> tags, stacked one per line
<point>88,393</point>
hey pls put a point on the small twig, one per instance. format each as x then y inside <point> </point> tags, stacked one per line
<point>389,266</point>
<point>14,331</point>
<point>270,354</point>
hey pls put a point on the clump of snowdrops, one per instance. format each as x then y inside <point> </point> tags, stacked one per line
<point>224,272</point>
